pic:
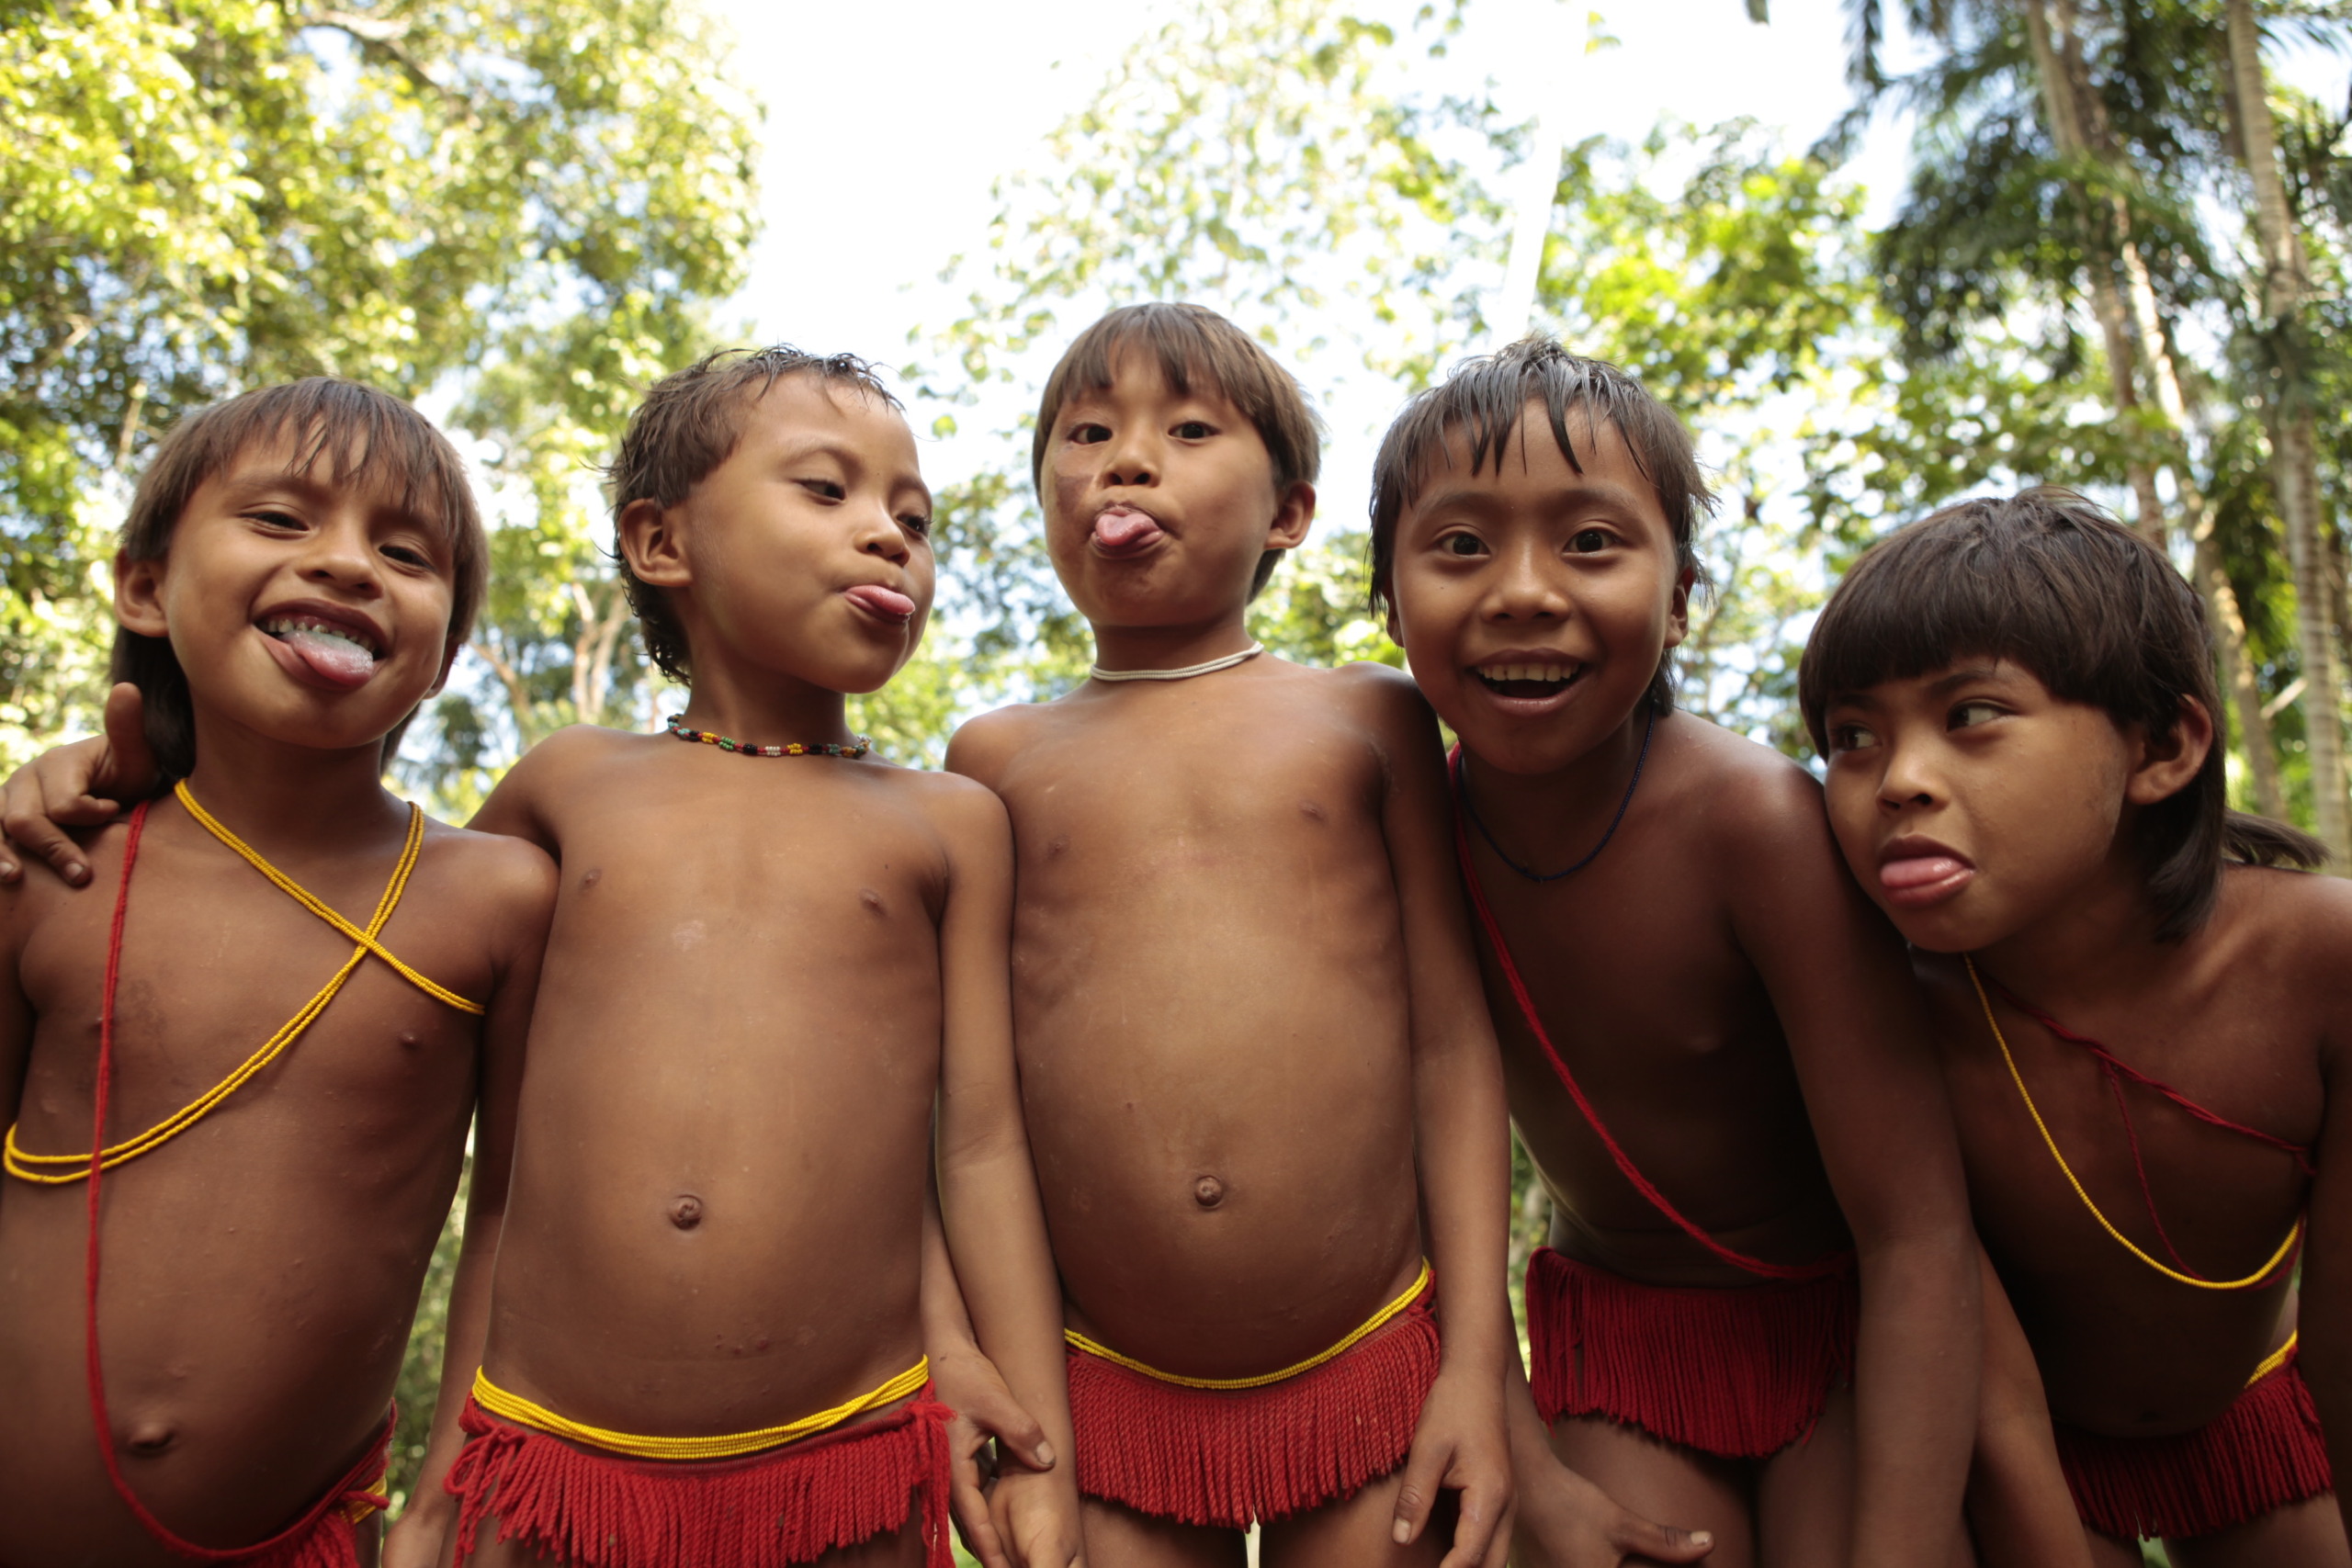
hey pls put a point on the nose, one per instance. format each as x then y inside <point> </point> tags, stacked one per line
<point>1525,589</point>
<point>880,535</point>
<point>1130,459</point>
<point>1908,778</point>
<point>341,555</point>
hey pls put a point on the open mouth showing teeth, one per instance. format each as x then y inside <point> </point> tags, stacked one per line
<point>337,650</point>
<point>1528,680</point>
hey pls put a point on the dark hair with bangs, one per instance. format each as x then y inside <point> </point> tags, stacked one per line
<point>374,440</point>
<point>689,424</point>
<point>1193,343</point>
<point>2047,581</point>
<point>1479,403</point>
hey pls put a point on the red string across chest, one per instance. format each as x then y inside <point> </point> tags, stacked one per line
<point>1836,1263</point>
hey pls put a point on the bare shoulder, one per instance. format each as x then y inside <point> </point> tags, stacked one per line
<point>965,811</point>
<point>1381,698</point>
<point>526,803</point>
<point>2302,917</point>
<point>509,879</point>
<point>1757,807</point>
<point>982,747</point>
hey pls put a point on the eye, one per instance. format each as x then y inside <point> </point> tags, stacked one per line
<point>1193,430</point>
<point>270,518</point>
<point>407,554</point>
<point>824,490</point>
<point>916,523</point>
<point>1851,737</point>
<point>1969,714</point>
<point>1589,540</point>
<point>1462,544</point>
<point>1089,434</point>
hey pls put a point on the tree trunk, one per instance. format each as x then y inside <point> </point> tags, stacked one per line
<point>2294,455</point>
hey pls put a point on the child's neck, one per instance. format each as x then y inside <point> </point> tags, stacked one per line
<point>288,797</point>
<point>1568,802</point>
<point>1171,647</point>
<point>2097,942</point>
<point>762,708</point>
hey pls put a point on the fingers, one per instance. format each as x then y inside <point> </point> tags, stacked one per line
<point>1481,1528</point>
<point>34,834</point>
<point>130,762</point>
<point>967,1499</point>
<point>1016,1432</point>
<point>1632,1535</point>
<point>1425,1469</point>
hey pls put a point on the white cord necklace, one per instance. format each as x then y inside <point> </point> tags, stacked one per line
<point>1208,667</point>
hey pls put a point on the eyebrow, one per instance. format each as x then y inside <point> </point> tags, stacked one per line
<point>1481,495</point>
<point>1964,675</point>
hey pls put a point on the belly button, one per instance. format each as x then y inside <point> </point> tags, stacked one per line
<point>1208,1192</point>
<point>149,1438</point>
<point>686,1212</point>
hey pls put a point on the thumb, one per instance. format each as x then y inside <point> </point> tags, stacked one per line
<point>1017,1433</point>
<point>1632,1535</point>
<point>1425,1470</point>
<point>130,771</point>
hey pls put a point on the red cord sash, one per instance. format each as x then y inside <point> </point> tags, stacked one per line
<point>354,1487</point>
<point>1818,1270</point>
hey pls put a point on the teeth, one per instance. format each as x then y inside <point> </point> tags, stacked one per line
<point>1552,673</point>
<point>281,625</point>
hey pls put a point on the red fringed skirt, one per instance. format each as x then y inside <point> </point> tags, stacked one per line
<point>785,1506</point>
<point>2262,1453</point>
<point>1232,1457</point>
<point>1740,1373</point>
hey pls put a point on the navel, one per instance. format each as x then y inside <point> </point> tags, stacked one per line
<point>686,1211</point>
<point>1208,1192</point>
<point>150,1438</point>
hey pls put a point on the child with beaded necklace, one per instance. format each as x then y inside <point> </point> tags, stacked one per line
<point>1252,1051</point>
<point>773,958</point>
<point>197,1368</point>
<point>2017,701</point>
<point>1713,1056</point>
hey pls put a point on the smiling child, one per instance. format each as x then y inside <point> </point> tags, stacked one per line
<point>1713,1056</point>
<point>202,1361</point>
<point>2144,1017</point>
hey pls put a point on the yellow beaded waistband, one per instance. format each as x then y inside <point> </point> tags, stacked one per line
<point>731,1444</point>
<point>1371,1325</point>
<point>2276,1359</point>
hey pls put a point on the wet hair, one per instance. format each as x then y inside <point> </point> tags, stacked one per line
<point>2046,581</point>
<point>689,424</point>
<point>1192,344</point>
<point>373,439</point>
<point>1479,404</point>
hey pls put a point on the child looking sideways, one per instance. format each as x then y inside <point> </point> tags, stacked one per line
<point>771,956</point>
<point>1251,1047</point>
<point>2142,1012</point>
<point>209,1252</point>
<point>1713,1056</point>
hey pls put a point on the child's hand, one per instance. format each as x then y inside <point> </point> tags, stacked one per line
<point>1460,1445</point>
<point>62,788</point>
<point>968,1383</point>
<point>1565,1522</point>
<point>1038,1516</point>
<point>415,1540</point>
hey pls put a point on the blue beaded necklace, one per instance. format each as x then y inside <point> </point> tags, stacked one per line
<point>1461,794</point>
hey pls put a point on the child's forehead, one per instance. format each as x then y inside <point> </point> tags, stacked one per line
<point>1595,457</point>
<point>1951,675</point>
<point>1136,368</point>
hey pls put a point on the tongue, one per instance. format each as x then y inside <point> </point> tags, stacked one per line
<point>346,663</point>
<point>889,602</point>
<point>1919,871</point>
<point>1124,528</point>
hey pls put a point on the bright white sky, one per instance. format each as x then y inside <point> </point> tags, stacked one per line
<point>886,124</point>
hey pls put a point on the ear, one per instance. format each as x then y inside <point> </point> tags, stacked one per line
<point>652,540</point>
<point>2162,769</point>
<point>1678,608</point>
<point>1395,625</point>
<point>139,595</point>
<point>1293,515</point>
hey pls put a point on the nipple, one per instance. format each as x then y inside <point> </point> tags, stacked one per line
<point>1208,1192</point>
<point>149,1438</point>
<point>686,1212</point>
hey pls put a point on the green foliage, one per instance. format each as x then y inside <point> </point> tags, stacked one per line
<point>526,203</point>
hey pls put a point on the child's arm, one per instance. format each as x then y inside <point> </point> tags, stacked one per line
<point>1564,1520</point>
<point>76,785</point>
<point>968,1383</point>
<point>2019,1510</point>
<point>1461,1144</point>
<point>2327,1307</point>
<point>995,1222</point>
<point>521,924</point>
<point>1842,988</point>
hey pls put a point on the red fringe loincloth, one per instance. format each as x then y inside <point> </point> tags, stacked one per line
<point>1232,1457</point>
<point>1741,1372</point>
<point>2262,1453</point>
<point>787,1505</point>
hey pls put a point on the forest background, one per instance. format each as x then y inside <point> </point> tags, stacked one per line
<point>2101,244</point>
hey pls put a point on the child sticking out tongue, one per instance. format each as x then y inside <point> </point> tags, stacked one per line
<point>331,654</point>
<point>1123,529</point>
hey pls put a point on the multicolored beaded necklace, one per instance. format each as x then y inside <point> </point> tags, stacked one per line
<point>678,727</point>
